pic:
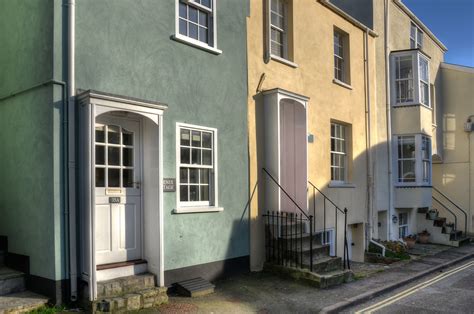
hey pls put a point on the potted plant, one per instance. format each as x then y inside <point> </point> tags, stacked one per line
<point>410,240</point>
<point>423,236</point>
<point>449,227</point>
<point>433,214</point>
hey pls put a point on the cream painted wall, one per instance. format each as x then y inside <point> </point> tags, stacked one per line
<point>313,52</point>
<point>455,175</point>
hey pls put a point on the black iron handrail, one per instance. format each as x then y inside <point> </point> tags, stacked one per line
<point>452,213</point>
<point>344,212</point>
<point>284,191</point>
<point>455,205</point>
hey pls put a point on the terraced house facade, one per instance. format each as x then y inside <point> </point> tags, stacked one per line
<point>147,144</point>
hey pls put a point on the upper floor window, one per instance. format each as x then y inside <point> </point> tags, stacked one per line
<point>410,78</point>
<point>341,56</point>
<point>279,41</point>
<point>196,23</point>
<point>416,37</point>
<point>196,162</point>
<point>414,159</point>
<point>338,153</point>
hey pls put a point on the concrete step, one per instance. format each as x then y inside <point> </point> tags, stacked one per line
<point>335,278</point>
<point>124,285</point>
<point>195,287</point>
<point>140,299</point>
<point>11,281</point>
<point>21,302</point>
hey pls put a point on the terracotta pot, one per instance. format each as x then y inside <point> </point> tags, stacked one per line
<point>410,242</point>
<point>423,238</point>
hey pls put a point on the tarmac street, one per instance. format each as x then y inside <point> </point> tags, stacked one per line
<point>449,291</point>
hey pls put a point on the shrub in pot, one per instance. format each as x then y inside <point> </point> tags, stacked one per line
<point>449,227</point>
<point>410,240</point>
<point>433,214</point>
<point>423,236</point>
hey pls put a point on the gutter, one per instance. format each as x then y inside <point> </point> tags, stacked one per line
<point>410,14</point>
<point>71,148</point>
<point>348,17</point>
<point>390,209</point>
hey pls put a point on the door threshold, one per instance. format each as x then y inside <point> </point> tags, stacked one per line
<point>121,264</point>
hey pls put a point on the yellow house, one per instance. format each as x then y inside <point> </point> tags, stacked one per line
<point>311,76</point>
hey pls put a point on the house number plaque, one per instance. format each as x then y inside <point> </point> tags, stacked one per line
<point>114,200</point>
<point>169,185</point>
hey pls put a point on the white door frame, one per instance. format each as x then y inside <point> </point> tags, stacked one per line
<point>92,104</point>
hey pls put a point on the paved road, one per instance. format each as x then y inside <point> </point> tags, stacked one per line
<point>450,291</point>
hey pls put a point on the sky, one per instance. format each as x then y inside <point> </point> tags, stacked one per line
<point>452,21</point>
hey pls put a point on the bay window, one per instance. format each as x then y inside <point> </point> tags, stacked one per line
<point>410,78</point>
<point>413,159</point>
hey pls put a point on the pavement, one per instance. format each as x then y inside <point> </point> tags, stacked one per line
<point>268,293</point>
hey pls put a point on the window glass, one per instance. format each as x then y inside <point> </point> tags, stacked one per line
<point>196,166</point>
<point>424,81</point>
<point>278,28</point>
<point>338,152</point>
<point>195,20</point>
<point>338,56</point>
<point>404,79</point>
<point>406,159</point>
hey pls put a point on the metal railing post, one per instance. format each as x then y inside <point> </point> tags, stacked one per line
<point>311,243</point>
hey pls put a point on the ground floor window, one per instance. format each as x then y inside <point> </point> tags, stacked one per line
<point>402,225</point>
<point>196,162</point>
<point>413,159</point>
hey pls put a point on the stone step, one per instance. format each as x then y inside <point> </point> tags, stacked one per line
<point>318,249</point>
<point>324,265</point>
<point>123,285</point>
<point>140,299</point>
<point>335,278</point>
<point>195,287</point>
<point>11,281</point>
<point>3,255</point>
<point>21,302</point>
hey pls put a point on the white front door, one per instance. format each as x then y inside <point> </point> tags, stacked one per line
<point>118,211</point>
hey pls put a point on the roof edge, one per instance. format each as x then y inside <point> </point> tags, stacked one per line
<point>348,17</point>
<point>425,28</point>
<point>457,67</point>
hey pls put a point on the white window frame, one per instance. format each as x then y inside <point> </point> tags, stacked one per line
<point>416,41</point>
<point>422,81</point>
<point>340,57</point>
<point>427,140</point>
<point>212,30</point>
<point>419,160</point>
<point>403,226</point>
<point>195,207</point>
<point>269,55</point>
<point>416,58</point>
<point>345,153</point>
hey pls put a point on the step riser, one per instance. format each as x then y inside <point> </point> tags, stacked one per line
<point>323,267</point>
<point>125,285</point>
<point>131,302</point>
<point>12,285</point>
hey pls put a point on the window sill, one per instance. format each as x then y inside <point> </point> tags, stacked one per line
<point>413,185</point>
<point>197,209</point>
<point>194,43</point>
<point>411,104</point>
<point>341,83</point>
<point>341,185</point>
<point>284,61</point>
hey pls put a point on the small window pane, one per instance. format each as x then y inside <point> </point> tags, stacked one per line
<point>193,30</point>
<point>204,192</point>
<point>205,176</point>
<point>100,177</point>
<point>113,134</point>
<point>183,175</point>
<point>196,156</point>
<point>183,193</point>
<point>127,138</point>
<point>183,27</point>
<point>193,14</point>
<point>100,134</point>
<point>207,157</point>
<point>203,17</point>
<point>113,156</point>
<point>127,157</point>
<point>114,178</point>
<point>128,178</point>
<point>99,155</point>
<point>183,10</point>
<point>185,155</point>
<point>194,193</point>
<point>203,34</point>
<point>194,175</point>
<point>196,139</point>
<point>206,140</point>
<point>185,138</point>
<point>206,3</point>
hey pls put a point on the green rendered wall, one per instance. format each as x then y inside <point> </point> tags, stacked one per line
<point>124,47</point>
<point>30,158</point>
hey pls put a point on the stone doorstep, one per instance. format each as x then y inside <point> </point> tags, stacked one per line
<point>11,281</point>
<point>124,285</point>
<point>21,302</point>
<point>321,281</point>
<point>132,301</point>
